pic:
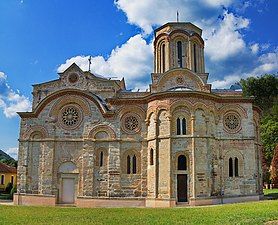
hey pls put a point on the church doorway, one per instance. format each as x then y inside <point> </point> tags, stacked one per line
<point>182,187</point>
<point>68,191</point>
<point>68,181</point>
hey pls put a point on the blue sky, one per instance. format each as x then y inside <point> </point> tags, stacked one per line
<point>39,38</point>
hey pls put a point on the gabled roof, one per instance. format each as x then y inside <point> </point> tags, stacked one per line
<point>7,169</point>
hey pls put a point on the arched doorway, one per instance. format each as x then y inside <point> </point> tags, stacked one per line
<point>68,173</point>
<point>182,184</point>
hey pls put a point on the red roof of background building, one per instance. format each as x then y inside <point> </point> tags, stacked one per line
<point>7,169</point>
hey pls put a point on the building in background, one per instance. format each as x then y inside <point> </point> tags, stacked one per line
<point>90,142</point>
<point>7,175</point>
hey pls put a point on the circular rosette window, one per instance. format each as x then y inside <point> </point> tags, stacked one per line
<point>73,78</point>
<point>70,117</point>
<point>232,122</point>
<point>131,123</point>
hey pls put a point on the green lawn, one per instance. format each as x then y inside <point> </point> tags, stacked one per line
<point>243,213</point>
<point>271,193</point>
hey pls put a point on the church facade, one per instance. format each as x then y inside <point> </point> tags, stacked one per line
<point>90,142</point>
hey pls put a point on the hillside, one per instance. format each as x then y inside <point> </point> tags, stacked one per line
<point>5,158</point>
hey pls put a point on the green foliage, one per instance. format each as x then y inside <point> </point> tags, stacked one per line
<point>13,190</point>
<point>8,188</point>
<point>5,158</point>
<point>264,89</point>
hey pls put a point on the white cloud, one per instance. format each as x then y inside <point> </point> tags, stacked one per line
<point>13,152</point>
<point>255,48</point>
<point>217,3</point>
<point>226,82</point>
<point>12,102</point>
<point>268,63</point>
<point>132,60</point>
<point>226,41</point>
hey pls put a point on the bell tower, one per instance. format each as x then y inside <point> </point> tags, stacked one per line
<point>179,45</point>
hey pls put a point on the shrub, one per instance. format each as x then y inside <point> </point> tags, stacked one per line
<point>8,188</point>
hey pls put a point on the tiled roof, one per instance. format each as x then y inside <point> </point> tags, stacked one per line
<point>7,169</point>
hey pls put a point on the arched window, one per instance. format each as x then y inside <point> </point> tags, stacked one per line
<point>12,180</point>
<point>2,179</point>
<point>128,164</point>
<point>195,58</point>
<point>230,167</point>
<point>179,47</point>
<point>178,126</point>
<point>236,167</point>
<point>183,126</point>
<point>151,156</point>
<point>163,58</point>
<point>182,162</point>
<point>134,164</point>
<point>101,159</point>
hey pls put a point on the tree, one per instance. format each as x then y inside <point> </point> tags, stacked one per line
<point>274,168</point>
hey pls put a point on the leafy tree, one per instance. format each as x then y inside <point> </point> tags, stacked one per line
<point>264,89</point>
<point>274,168</point>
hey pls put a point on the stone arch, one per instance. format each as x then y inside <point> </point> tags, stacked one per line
<point>131,153</point>
<point>134,109</point>
<point>70,99</point>
<point>102,132</point>
<point>197,39</point>
<point>36,132</point>
<point>181,103</point>
<point>68,167</point>
<point>234,154</point>
<point>233,107</point>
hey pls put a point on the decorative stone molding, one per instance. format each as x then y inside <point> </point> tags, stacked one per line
<point>35,132</point>
<point>102,128</point>
<point>131,123</point>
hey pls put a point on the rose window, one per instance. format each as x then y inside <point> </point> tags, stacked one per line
<point>131,123</point>
<point>70,117</point>
<point>232,122</point>
<point>73,78</point>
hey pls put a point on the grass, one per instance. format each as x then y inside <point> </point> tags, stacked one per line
<point>242,213</point>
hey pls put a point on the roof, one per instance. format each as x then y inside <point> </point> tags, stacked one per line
<point>7,169</point>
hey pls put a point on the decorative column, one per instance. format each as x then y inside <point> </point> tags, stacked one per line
<point>193,120</point>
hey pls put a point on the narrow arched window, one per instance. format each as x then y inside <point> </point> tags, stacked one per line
<point>230,167</point>
<point>183,126</point>
<point>128,164</point>
<point>163,58</point>
<point>134,164</point>
<point>236,167</point>
<point>151,156</point>
<point>195,57</point>
<point>12,180</point>
<point>182,162</point>
<point>101,159</point>
<point>2,179</point>
<point>178,126</point>
<point>179,47</point>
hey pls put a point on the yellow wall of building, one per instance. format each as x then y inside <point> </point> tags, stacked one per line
<point>7,179</point>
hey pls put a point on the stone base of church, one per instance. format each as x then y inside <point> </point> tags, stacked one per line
<point>88,202</point>
<point>34,199</point>
<point>224,200</point>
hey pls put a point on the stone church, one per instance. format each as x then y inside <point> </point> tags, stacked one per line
<point>90,142</point>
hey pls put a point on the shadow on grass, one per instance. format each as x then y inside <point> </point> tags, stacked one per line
<point>271,193</point>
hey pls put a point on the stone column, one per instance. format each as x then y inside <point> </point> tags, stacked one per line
<point>193,173</point>
<point>114,168</point>
<point>22,167</point>
<point>88,168</point>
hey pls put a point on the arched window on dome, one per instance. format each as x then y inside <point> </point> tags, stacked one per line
<point>195,57</point>
<point>182,165</point>
<point>163,58</point>
<point>181,126</point>
<point>179,48</point>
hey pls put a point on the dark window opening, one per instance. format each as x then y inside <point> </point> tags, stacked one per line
<point>151,156</point>
<point>178,126</point>
<point>134,164</point>
<point>128,164</point>
<point>236,167</point>
<point>163,57</point>
<point>2,179</point>
<point>101,159</point>
<point>12,180</point>
<point>194,53</point>
<point>183,126</point>
<point>182,162</point>
<point>230,167</point>
<point>179,46</point>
